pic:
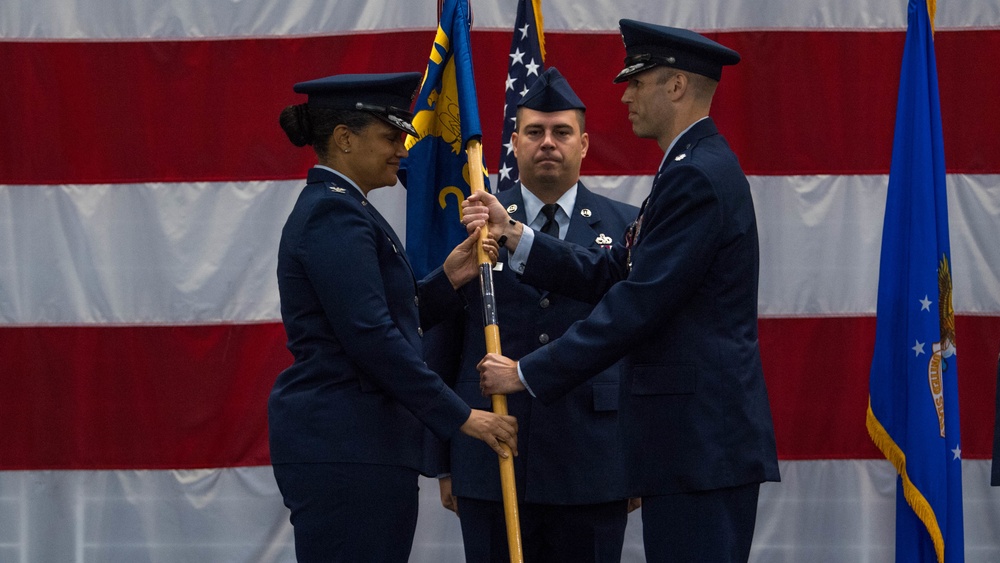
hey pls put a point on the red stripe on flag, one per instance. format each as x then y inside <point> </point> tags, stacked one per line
<point>165,398</point>
<point>170,397</point>
<point>817,378</point>
<point>800,102</point>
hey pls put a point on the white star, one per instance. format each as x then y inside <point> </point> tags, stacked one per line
<point>524,91</point>
<point>532,68</point>
<point>524,31</point>
<point>510,82</point>
<point>919,348</point>
<point>510,146</point>
<point>517,57</point>
<point>925,304</point>
<point>957,451</point>
<point>504,172</point>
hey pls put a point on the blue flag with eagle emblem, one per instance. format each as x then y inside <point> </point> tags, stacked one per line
<point>436,172</point>
<point>913,385</point>
<point>527,61</point>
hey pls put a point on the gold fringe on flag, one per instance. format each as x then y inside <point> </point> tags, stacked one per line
<point>913,496</point>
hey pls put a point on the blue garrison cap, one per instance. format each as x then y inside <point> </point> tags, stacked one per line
<point>551,92</point>
<point>649,45</point>
<point>386,96</point>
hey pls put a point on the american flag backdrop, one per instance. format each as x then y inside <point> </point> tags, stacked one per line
<point>144,182</point>
<point>527,62</point>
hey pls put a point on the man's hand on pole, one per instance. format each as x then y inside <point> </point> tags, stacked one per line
<point>498,376</point>
<point>482,209</point>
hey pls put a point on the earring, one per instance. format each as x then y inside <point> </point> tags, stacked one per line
<point>347,150</point>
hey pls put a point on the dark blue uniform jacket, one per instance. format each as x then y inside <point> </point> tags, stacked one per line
<point>694,410</point>
<point>358,390</point>
<point>569,448</point>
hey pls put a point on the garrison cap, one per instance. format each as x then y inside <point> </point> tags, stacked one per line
<point>551,92</point>
<point>386,96</point>
<point>649,45</point>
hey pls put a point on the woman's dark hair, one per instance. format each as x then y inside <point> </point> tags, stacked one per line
<point>306,125</point>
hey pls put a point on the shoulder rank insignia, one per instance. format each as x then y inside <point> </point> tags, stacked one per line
<point>338,189</point>
<point>512,208</point>
<point>681,156</point>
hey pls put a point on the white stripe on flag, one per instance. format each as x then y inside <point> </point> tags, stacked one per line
<point>184,253</point>
<point>178,19</point>
<point>826,511</point>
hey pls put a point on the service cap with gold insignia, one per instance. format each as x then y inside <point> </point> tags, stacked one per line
<point>649,45</point>
<point>386,96</point>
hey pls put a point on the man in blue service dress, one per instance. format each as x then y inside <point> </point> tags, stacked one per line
<point>570,474</point>
<point>679,303</point>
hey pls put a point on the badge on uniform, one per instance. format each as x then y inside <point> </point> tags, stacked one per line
<point>604,241</point>
<point>680,157</point>
<point>338,189</point>
<point>585,212</point>
<point>512,208</point>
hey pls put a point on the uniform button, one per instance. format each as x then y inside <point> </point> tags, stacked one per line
<point>420,332</point>
<point>544,303</point>
<point>543,338</point>
<point>416,300</point>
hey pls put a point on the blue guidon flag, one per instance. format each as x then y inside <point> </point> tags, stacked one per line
<point>913,388</point>
<point>446,117</point>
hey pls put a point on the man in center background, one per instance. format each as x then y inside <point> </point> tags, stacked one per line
<point>570,473</point>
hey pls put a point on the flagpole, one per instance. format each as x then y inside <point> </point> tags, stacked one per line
<point>475,154</point>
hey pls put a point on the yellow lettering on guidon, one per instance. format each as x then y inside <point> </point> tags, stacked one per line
<point>443,198</point>
<point>443,44</point>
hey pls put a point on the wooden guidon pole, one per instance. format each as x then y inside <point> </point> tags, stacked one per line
<point>475,153</point>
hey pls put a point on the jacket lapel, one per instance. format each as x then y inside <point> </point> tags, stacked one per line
<point>585,216</point>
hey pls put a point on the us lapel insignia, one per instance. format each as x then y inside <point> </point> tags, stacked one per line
<point>585,212</point>
<point>512,208</point>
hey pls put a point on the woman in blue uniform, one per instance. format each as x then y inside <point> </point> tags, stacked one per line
<point>348,419</point>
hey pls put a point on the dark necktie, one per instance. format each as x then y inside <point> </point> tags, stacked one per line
<point>550,227</point>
